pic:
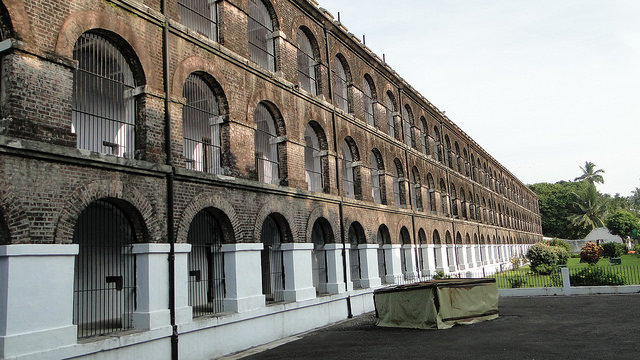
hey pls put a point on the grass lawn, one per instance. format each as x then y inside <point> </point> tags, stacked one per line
<point>630,269</point>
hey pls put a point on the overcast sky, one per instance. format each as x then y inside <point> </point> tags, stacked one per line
<point>541,85</point>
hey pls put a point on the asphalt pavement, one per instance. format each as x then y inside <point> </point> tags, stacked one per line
<point>552,327</point>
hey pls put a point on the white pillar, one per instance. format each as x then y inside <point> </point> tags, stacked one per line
<point>369,266</point>
<point>461,251</point>
<point>443,261</point>
<point>430,261</point>
<point>152,286</point>
<point>394,266</point>
<point>36,298</point>
<point>298,271</point>
<point>335,271</point>
<point>184,313</point>
<point>242,268</point>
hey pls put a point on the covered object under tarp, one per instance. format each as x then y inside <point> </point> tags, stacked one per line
<point>437,304</point>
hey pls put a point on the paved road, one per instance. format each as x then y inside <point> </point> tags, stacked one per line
<point>571,327</point>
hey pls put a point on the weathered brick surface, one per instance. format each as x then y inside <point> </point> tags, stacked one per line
<point>44,191</point>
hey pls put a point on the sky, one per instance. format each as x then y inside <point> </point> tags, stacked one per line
<point>542,85</point>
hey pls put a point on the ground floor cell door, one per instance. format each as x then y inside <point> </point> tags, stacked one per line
<point>272,262</point>
<point>206,265</point>
<point>104,279</point>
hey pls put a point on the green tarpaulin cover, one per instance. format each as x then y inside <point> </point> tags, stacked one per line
<point>437,304</point>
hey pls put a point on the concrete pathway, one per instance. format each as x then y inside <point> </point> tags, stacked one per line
<point>563,327</point>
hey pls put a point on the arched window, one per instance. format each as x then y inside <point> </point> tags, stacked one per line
<point>398,184</point>
<point>272,261</point>
<point>406,254</point>
<point>437,253</point>
<point>104,282</point>
<point>451,251</point>
<point>200,16</point>
<point>201,122</point>
<point>416,189</point>
<point>432,193</point>
<point>465,159</point>
<point>390,111</point>
<point>350,172</point>
<point>444,198</point>
<point>454,201</point>
<point>307,61</point>
<point>382,239</point>
<point>206,265</point>
<point>459,159</point>
<point>356,237</point>
<point>319,257</point>
<point>463,204</point>
<point>103,116</point>
<point>340,84</point>
<point>368,99</point>
<point>424,136</point>
<point>312,160</point>
<point>260,32</point>
<point>407,124</point>
<point>437,145</point>
<point>266,146</point>
<point>377,177</point>
<point>449,152</point>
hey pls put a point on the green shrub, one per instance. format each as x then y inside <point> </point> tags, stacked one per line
<point>596,276</point>
<point>515,262</point>
<point>590,253</point>
<point>563,254</point>
<point>440,275</point>
<point>559,243</point>
<point>612,249</point>
<point>517,281</point>
<point>543,258</point>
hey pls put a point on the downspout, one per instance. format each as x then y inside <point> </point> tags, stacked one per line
<point>170,182</point>
<point>338,183</point>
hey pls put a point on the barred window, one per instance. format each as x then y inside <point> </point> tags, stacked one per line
<point>201,126</point>
<point>382,238</point>
<point>266,146</point>
<point>444,198</point>
<point>416,189</point>
<point>405,253</point>
<point>312,160</point>
<point>356,237</point>
<point>368,96</point>
<point>272,261</point>
<point>408,123</point>
<point>437,145</point>
<point>340,85</point>
<point>104,278</point>
<point>307,62</point>
<point>432,193</point>
<point>206,265</point>
<point>319,258</point>
<point>377,173</point>
<point>390,109</point>
<point>260,33</point>
<point>200,16</point>
<point>103,115</point>
<point>424,136</point>
<point>347,171</point>
<point>437,254</point>
<point>398,184</point>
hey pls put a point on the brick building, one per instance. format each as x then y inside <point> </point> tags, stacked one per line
<point>176,174</point>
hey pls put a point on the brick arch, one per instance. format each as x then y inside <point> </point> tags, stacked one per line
<point>133,47</point>
<point>130,199</point>
<point>284,216</point>
<point>320,212</point>
<point>17,21</point>
<point>274,104</point>
<point>309,28</point>
<point>197,64</point>
<point>15,226</point>
<point>225,214</point>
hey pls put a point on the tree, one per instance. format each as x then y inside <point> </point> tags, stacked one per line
<point>622,223</point>
<point>555,207</point>
<point>590,174</point>
<point>590,209</point>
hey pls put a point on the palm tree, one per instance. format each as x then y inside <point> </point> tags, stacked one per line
<point>590,209</point>
<point>590,174</point>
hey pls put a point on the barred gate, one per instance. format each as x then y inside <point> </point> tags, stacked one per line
<point>319,259</point>
<point>206,265</point>
<point>104,278</point>
<point>272,264</point>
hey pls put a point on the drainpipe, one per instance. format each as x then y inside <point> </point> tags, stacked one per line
<point>338,184</point>
<point>170,182</point>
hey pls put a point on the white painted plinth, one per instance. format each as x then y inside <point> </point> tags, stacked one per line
<point>184,312</point>
<point>152,286</point>
<point>36,298</point>
<point>335,272</point>
<point>297,271</point>
<point>369,266</point>
<point>243,281</point>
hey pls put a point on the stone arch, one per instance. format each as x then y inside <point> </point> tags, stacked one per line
<point>224,212</point>
<point>129,198</point>
<point>111,27</point>
<point>329,219</point>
